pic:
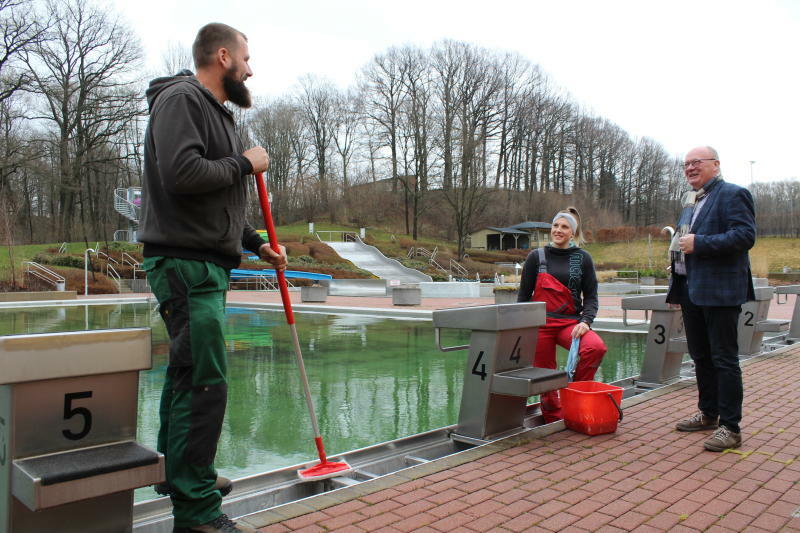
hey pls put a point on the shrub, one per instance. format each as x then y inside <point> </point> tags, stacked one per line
<point>653,272</point>
<point>72,261</point>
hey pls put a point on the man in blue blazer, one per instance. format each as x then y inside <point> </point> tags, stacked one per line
<point>711,280</point>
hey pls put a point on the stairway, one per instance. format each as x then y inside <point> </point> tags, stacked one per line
<point>128,209</point>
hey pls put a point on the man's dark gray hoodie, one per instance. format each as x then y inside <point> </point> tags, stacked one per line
<point>194,189</point>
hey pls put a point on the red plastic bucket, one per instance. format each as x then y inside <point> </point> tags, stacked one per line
<point>591,407</point>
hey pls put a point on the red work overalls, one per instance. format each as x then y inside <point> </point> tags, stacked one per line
<point>561,318</point>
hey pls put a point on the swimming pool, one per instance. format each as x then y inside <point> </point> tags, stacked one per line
<point>373,379</point>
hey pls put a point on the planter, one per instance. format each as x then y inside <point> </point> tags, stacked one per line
<point>505,297</point>
<point>646,284</point>
<point>406,295</point>
<point>314,293</point>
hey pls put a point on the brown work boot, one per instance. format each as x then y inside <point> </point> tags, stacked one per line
<point>223,485</point>
<point>698,422</point>
<point>723,439</point>
<point>221,524</point>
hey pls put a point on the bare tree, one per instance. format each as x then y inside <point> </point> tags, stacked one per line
<point>418,84</point>
<point>315,100</point>
<point>176,58</point>
<point>277,127</point>
<point>20,31</point>
<point>83,72</point>
<point>346,118</point>
<point>383,83</point>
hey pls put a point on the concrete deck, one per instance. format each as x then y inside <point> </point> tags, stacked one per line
<point>610,306</point>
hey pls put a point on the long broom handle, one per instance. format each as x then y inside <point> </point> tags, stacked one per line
<point>263,198</point>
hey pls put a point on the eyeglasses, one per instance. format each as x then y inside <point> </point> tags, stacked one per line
<point>695,162</point>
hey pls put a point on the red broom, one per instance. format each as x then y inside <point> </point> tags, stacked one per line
<point>325,468</point>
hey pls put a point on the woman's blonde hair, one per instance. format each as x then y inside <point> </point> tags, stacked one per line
<point>578,233</point>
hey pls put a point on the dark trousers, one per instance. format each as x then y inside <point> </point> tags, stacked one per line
<point>191,295</point>
<point>711,334</point>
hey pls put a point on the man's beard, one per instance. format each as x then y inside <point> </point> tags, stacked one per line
<point>236,91</point>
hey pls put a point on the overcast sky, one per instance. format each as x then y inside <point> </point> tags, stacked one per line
<point>686,73</point>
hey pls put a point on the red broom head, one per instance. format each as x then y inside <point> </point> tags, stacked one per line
<point>324,471</point>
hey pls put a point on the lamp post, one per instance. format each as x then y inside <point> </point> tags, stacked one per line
<point>751,172</point>
<point>86,270</point>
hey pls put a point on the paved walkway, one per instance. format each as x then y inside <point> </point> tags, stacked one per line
<point>646,477</point>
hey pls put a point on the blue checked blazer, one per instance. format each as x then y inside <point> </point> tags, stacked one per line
<point>718,271</point>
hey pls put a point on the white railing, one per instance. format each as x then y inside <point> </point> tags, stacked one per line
<point>128,259</point>
<point>63,248</point>
<point>123,235</point>
<point>454,268</point>
<point>262,283</point>
<point>337,236</point>
<point>458,269</point>
<point>109,259</point>
<point>114,275</point>
<point>124,207</point>
<point>45,274</point>
<point>110,271</point>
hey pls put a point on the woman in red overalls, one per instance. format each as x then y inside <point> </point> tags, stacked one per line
<point>562,275</point>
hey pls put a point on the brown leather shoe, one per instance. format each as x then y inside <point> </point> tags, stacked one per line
<point>221,524</point>
<point>698,422</point>
<point>723,439</point>
<point>223,485</point>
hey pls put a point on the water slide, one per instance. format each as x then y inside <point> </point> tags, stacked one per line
<point>372,260</point>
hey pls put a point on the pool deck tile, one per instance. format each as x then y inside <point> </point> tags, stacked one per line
<point>613,482</point>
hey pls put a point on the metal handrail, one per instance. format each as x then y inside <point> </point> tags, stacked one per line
<point>263,283</point>
<point>115,277</point>
<point>121,235</point>
<point>128,259</point>
<point>63,248</point>
<point>43,273</point>
<point>108,257</point>
<point>459,269</point>
<point>345,236</point>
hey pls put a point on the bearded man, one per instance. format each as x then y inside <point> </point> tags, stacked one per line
<point>193,228</point>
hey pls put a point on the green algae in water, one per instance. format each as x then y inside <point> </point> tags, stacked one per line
<point>373,379</point>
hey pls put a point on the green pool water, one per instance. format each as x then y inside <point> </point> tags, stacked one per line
<point>373,379</point>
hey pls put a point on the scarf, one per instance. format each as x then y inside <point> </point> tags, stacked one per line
<point>689,202</point>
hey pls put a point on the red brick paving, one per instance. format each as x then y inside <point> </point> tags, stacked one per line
<point>646,477</point>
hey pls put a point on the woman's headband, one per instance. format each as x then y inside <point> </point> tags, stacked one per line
<point>569,218</point>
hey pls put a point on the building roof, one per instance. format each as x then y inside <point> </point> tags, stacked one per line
<point>508,230</point>
<point>532,225</point>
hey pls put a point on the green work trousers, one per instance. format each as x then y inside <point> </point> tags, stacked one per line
<point>191,295</point>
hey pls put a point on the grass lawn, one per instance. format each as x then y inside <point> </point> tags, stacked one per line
<point>770,254</point>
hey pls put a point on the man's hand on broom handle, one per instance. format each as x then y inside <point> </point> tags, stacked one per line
<point>276,260</point>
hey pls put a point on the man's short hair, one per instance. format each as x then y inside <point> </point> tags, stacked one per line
<point>211,38</point>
